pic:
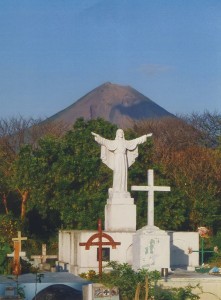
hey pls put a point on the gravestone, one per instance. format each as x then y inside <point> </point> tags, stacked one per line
<point>151,246</point>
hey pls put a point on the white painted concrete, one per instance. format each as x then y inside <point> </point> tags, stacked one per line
<point>179,244</point>
<point>150,189</point>
<point>210,286</point>
<point>79,260</point>
<point>120,214</point>
<point>151,249</point>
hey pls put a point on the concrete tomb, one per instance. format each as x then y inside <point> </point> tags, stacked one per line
<point>99,240</point>
<point>76,259</point>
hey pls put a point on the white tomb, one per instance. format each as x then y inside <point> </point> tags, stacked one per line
<point>76,259</point>
<point>151,249</point>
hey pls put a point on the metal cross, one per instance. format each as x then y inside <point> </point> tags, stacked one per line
<point>202,251</point>
<point>100,243</point>
<point>150,188</point>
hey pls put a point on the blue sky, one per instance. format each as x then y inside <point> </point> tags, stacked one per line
<point>52,52</point>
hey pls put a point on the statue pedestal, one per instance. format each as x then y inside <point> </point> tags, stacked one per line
<point>151,249</point>
<point>120,213</point>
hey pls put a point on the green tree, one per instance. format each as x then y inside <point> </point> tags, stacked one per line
<point>5,173</point>
<point>65,177</point>
<point>84,179</point>
<point>192,170</point>
<point>23,175</point>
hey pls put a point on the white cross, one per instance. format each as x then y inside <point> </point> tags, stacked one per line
<point>19,239</point>
<point>150,189</point>
<point>44,256</point>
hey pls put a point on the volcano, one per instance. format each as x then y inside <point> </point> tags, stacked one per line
<point>121,105</point>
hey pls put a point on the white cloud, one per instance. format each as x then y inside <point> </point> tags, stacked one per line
<point>154,69</point>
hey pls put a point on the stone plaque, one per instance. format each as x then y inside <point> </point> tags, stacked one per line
<point>104,292</point>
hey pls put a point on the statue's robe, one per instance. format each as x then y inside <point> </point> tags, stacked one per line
<point>119,155</point>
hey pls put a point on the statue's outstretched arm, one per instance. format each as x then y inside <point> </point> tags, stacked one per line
<point>99,139</point>
<point>143,138</point>
<point>95,134</point>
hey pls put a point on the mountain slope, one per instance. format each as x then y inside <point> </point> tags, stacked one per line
<point>117,104</point>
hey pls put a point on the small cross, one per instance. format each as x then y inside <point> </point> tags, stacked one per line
<point>44,255</point>
<point>150,189</point>
<point>19,239</point>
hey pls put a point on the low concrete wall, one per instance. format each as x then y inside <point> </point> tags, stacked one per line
<point>210,285</point>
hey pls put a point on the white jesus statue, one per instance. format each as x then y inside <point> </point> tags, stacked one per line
<point>119,155</point>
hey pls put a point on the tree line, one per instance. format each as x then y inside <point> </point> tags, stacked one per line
<point>52,179</point>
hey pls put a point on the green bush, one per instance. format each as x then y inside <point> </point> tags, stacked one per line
<point>138,285</point>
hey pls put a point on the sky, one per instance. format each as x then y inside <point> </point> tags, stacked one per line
<point>52,52</point>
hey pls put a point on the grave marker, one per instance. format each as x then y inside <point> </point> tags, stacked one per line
<point>19,239</point>
<point>17,253</point>
<point>44,256</point>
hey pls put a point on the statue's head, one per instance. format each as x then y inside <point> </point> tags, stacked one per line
<point>119,134</point>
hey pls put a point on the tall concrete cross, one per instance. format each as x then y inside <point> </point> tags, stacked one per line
<point>150,188</point>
